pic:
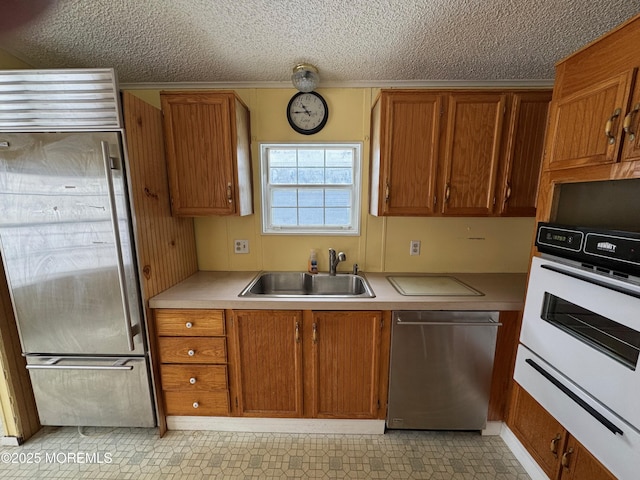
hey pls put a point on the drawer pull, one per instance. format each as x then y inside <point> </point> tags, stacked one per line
<point>191,353</point>
<point>189,325</point>
<point>192,380</point>
<point>196,404</point>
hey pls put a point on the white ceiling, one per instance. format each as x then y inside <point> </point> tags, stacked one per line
<point>351,41</point>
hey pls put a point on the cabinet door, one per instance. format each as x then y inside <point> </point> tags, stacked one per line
<point>268,362</point>
<point>631,126</point>
<point>585,128</point>
<point>472,150</point>
<point>407,127</point>
<point>199,149</point>
<point>538,431</point>
<point>523,153</point>
<point>346,356</point>
<point>579,464</point>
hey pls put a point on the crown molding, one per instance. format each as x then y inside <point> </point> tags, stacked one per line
<point>534,83</point>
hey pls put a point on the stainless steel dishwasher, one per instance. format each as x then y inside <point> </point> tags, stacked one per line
<point>440,373</point>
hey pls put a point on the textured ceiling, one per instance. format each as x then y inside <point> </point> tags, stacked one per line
<point>350,41</point>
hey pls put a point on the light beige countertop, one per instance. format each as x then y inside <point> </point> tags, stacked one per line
<point>220,290</point>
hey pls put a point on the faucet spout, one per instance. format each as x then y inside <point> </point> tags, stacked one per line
<point>334,260</point>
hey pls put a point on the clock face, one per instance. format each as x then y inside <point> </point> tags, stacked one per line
<point>307,112</point>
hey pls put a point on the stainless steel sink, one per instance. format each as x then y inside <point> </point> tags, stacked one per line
<point>301,284</point>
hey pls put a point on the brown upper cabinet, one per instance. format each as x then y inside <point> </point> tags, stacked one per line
<point>595,113</point>
<point>524,148</point>
<point>208,153</point>
<point>456,152</point>
<point>472,149</point>
<point>588,127</point>
<point>405,139</point>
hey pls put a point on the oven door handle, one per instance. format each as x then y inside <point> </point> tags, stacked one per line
<point>592,281</point>
<point>588,408</point>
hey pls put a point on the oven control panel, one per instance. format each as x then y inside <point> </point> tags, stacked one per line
<point>610,249</point>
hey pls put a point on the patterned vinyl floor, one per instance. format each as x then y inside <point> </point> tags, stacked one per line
<point>123,453</point>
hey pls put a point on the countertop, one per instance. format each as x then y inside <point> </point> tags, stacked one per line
<point>219,290</point>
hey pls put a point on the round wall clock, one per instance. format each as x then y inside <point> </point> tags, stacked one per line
<point>307,112</point>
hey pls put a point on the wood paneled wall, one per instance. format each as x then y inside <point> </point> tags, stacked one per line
<point>166,245</point>
<point>20,411</point>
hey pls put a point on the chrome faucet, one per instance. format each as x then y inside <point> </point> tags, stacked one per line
<point>334,260</point>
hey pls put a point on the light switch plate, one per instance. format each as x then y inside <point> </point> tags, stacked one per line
<point>241,246</point>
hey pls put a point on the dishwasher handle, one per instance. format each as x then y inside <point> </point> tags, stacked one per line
<point>488,323</point>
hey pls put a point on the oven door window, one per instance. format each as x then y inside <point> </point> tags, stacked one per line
<point>601,333</point>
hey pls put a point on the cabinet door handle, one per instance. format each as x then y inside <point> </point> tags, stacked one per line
<point>229,193</point>
<point>447,193</point>
<point>386,193</point>
<point>196,404</point>
<point>192,380</point>
<point>626,126</point>
<point>609,126</point>
<point>315,333</point>
<point>188,324</point>
<point>565,458</point>
<point>191,353</point>
<point>297,332</point>
<point>507,195</point>
<point>553,447</point>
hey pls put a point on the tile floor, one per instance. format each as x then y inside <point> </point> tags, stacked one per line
<point>94,453</point>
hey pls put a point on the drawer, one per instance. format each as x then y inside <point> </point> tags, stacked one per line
<point>193,377</point>
<point>197,403</point>
<point>189,323</point>
<point>192,349</point>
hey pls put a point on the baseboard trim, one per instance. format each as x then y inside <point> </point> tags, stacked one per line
<point>522,455</point>
<point>10,441</point>
<point>492,429</point>
<point>276,425</point>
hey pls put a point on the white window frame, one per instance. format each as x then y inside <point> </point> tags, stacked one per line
<point>354,188</point>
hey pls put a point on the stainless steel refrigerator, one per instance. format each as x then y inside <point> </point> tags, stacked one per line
<point>67,249</point>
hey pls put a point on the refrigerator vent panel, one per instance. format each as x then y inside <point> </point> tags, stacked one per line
<point>68,99</point>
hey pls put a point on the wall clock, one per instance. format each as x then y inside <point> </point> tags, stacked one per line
<point>307,112</point>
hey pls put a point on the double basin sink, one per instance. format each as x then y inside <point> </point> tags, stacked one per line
<point>303,285</point>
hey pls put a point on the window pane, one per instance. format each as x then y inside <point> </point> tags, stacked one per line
<point>337,198</point>
<point>284,198</point>
<point>311,158</point>
<point>339,176</point>
<point>338,216</point>
<point>340,158</point>
<point>282,158</point>
<point>311,198</point>
<point>311,176</point>
<point>311,216</point>
<point>284,216</point>
<point>283,176</point>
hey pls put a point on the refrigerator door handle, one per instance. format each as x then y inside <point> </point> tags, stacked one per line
<point>52,364</point>
<point>114,220</point>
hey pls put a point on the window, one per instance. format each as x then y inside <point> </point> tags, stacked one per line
<point>311,188</point>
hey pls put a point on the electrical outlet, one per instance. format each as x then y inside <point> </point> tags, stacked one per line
<point>414,247</point>
<point>241,246</point>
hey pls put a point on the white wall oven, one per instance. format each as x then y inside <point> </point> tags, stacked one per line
<point>580,341</point>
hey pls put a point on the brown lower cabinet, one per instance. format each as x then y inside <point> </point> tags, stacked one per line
<point>309,364</point>
<point>192,349</point>
<point>558,453</point>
